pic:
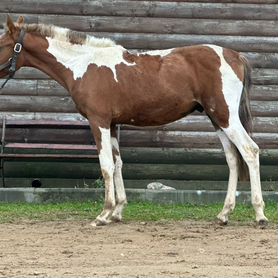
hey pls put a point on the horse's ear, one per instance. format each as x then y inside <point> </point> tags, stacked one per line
<point>10,25</point>
<point>20,20</point>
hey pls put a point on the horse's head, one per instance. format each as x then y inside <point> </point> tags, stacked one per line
<point>11,42</point>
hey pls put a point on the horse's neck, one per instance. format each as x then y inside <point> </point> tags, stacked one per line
<point>38,57</point>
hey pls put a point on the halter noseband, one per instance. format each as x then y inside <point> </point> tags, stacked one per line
<point>11,63</point>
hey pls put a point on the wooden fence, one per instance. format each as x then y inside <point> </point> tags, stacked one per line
<point>247,26</point>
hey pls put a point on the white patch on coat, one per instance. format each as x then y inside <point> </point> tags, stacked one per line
<point>78,57</point>
<point>161,53</point>
<point>231,84</point>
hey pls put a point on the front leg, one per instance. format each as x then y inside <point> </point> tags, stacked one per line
<point>103,141</point>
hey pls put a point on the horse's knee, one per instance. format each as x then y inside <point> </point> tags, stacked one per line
<point>251,154</point>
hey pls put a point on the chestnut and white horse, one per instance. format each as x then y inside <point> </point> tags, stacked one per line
<point>110,86</point>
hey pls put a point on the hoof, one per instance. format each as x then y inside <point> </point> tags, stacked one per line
<point>222,223</point>
<point>116,218</point>
<point>99,222</point>
<point>263,223</point>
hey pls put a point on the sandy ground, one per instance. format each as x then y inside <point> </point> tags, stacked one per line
<point>175,249</point>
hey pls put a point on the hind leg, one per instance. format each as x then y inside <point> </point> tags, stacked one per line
<point>250,153</point>
<point>232,161</point>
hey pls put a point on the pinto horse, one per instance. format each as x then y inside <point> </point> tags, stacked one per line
<point>111,85</point>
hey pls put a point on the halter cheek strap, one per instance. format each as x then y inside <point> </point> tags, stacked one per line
<point>12,62</point>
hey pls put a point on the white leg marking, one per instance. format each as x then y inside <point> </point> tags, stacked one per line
<point>119,184</point>
<point>107,168</point>
<point>231,158</point>
<point>250,153</point>
<point>232,90</point>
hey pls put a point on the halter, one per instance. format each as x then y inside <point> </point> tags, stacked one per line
<point>11,63</point>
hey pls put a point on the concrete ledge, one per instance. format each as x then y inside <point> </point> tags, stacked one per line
<point>54,195</point>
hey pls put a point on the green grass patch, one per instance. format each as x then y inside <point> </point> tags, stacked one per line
<point>142,211</point>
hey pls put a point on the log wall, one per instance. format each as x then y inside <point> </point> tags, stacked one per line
<point>248,26</point>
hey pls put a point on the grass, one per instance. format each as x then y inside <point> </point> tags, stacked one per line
<point>11,212</point>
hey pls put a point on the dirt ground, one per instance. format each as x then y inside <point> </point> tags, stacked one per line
<point>170,249</point>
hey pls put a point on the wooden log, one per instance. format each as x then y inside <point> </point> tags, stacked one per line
<point>49,87</point>
<point>172,9</point>
<point>64,104</point>
<point>186,156</point>
<point>222,1</point>
<point>166,26</point>
<point>41,116</point>
<point>264,92</point>
<point>260,76</point>
<point>162,41</point>
<point>189,123</point>
<point>265,76</point>
<point>33,87</point>
<point>133,138</point>
<point>202,123</point>
<point>186,139</point>
<point>36,104</point>
<point>30,73</point>
<point>130,171</point>
<point>262,60</point>
<point>156,25</point>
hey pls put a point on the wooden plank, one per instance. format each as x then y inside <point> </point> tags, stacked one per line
<point>143,138</point>
<point>157,25</point>
<point>146,8</point>
<point>262,60</point>
<point>186,156</point>
<point>30,73</point>
<point>264,92</point>
<point>260,76</point>
<point>189,123</point>
<point>66,105</point>
<point>33,87</point>
<point>28,146</point>
<point>130,171</point>
<point>265,76</point>
<point>202,123</point>
<point>221,1</point>
<point>162,41</point>
<point>42,116</point>
<point>49,136</point>
<point>163,26</point>
<point>134,137</point>
<point>49,87</point>
<point>264,108</point>
<point>36,104</point>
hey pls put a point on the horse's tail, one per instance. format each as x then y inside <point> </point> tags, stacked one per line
<point>245,114</point>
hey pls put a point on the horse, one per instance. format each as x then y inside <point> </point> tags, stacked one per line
<point>111,85</point>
